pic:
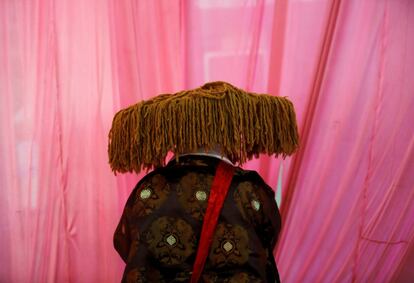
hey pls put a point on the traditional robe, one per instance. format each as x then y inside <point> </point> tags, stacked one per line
<point>159,230</point>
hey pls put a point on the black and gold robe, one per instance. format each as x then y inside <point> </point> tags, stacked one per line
<point>160,227</point>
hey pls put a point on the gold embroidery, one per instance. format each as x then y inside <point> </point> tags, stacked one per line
<point>170,240</point>
<point>201,195</point>
<point>255,204</point>
<point>248,201</point>
<point>150,196</point>
<point>230,246</point>
<point>192,192</point>
<point>145,193</point>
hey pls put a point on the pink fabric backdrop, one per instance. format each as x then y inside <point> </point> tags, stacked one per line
<point>68,66</point>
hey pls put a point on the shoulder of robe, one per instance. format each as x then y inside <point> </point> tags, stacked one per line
<point>255,178</point>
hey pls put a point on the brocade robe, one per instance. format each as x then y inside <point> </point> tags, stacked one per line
<point>159,230</point>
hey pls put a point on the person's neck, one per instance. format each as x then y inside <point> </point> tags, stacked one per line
<point>212,152</point>
<point>216,155</point>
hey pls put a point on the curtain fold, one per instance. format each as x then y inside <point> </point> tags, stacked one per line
<point>350,191</point>
<point>69,66</point>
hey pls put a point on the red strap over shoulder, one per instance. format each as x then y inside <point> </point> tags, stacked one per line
<point>218,192</point>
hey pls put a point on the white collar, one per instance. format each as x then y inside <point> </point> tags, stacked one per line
<point>212,154</point>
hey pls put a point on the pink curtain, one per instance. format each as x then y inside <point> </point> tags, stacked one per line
<point>68,66</point>
<point>349,195</point>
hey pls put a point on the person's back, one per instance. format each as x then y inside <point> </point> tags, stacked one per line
<point>159,230</point>
<point>159,233</point>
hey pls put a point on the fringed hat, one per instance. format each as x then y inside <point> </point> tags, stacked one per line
<point>242,124</point>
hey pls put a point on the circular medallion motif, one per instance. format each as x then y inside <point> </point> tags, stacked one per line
<point>145,193</point>
<point>170,240</point>
<point>255,204</point>
<point>150,195</point>
<point>249,201</point>
<point>230,246</point>
<point>201,195</point>
<point>193,192</point>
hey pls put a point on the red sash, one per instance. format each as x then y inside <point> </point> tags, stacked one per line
<point>218,192</point>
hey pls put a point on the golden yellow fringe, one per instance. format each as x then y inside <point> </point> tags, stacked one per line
<point>244,124</point>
